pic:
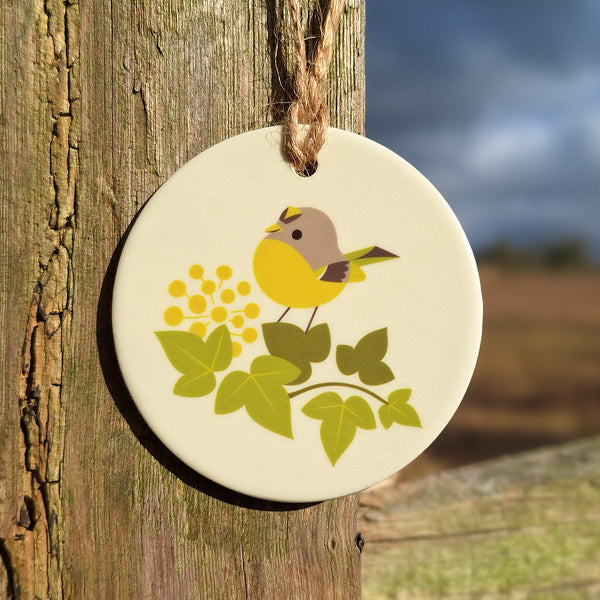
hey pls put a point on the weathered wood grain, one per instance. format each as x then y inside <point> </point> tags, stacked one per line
<point>524,526</point>
<point>101,101</point>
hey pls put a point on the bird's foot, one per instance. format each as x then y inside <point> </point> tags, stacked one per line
<point>311,319</point>
<point>285,312</point>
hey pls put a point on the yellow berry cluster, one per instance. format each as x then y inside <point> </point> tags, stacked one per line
<point>213,305</point>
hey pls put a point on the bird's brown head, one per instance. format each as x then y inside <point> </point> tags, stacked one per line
<point>309,231</point>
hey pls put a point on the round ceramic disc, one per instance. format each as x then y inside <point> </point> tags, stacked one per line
<point>297,405</point>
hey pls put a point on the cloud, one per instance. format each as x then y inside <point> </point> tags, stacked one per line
<point>497,103</point>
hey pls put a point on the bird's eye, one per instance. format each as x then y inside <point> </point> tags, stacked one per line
<point>296,234</point>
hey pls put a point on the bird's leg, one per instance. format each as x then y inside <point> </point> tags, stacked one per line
<point>311,319</point>
<point>285,312</point>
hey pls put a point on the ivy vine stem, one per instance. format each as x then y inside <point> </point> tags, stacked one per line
<point>337,384</point>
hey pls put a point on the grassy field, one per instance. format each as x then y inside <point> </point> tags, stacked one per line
<point>537,381</point>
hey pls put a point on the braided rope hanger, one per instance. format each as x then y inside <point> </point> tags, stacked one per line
<point>307,118</point>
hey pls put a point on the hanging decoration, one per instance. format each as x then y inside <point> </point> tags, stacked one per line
<point>297,311</point>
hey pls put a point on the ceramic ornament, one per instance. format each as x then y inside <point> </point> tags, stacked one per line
<point>297,338</point>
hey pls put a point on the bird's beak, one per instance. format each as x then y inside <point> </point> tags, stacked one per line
<point>273,228</point>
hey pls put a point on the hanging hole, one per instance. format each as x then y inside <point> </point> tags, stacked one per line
<point>308,170</point>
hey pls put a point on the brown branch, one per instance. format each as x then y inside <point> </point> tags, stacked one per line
<point>338,384</point>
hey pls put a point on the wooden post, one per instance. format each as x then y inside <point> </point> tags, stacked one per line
<point>101,102</point>
<point>520,526</point>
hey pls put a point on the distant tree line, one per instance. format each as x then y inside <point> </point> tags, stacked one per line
<point>557,255</point>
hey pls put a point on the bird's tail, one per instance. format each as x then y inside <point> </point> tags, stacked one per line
<point>366,256</point>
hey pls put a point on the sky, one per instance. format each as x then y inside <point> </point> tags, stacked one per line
<point>497,103</point>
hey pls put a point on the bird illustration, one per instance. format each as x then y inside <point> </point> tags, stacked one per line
<point>299,264</point>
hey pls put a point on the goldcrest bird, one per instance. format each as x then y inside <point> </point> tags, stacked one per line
<point>299,264</point>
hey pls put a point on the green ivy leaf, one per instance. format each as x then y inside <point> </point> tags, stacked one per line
<point>375,373</point>
<point>339,420</point>
<point>230,395</point>
<point>336,436</point>
<point>194,386</point>
<point>196,359</point>
<point>373,344</point>
<point>219,348</point>
<point>297,347</point>
<point>185,351</point>
<point>385,416</point>
<point>366,358</point>
<point>398,410</point>
<point>323,406</point>
<point>360,411</point>
<point>347,361</point>
<point>262,393</point>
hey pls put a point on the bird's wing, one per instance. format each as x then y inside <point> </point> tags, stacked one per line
<point>335,272</point>
<point>356,273</point>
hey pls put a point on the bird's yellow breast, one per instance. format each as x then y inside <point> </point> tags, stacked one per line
<point>285,276</point>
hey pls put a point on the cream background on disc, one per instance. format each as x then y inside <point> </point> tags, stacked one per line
<point>214,211</point>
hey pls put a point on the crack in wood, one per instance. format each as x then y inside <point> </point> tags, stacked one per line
<point>359,542</point>
<point>12,589</point>
<point>246,591</point>
<point>31,552</point>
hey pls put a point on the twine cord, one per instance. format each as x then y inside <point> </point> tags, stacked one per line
<point>307,118</point>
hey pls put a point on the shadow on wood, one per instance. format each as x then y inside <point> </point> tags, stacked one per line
<point>125,404</point>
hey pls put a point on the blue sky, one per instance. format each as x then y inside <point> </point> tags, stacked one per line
<point>497,103</point>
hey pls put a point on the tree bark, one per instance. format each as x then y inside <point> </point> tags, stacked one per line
<point>101,102</point>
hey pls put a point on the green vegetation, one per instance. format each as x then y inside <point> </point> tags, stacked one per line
<point>565,254</point>
<point>261,390</point>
